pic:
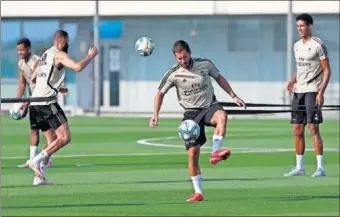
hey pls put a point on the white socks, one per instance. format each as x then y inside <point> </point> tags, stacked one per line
<point>40,157</point>
<point>50,160</point>
<point>33,151</point>
<point>319,160</point>
<point>300,162</point>
<point>197,182</point>
<point>43,167</point>
<point>217,143</point>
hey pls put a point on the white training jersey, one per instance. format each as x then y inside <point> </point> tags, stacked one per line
<point>27,69</point>
<point>194,87</point>
<point>49,78</point>
<point>309,70</point>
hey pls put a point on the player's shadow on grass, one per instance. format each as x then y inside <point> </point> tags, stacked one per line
<point>303,198</point>
<point>87,205</point>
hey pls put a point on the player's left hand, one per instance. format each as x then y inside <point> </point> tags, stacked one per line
<point>64,90</point>
<point>319,98</point>
<point>24,105</point>
<point>239,102</point>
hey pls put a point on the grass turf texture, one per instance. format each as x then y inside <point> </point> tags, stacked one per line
<point>158,184</point>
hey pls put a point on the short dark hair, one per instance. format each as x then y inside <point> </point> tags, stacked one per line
<point>305,17</point>
<point>25,41</point>
<point>181,45</point>
<point>61,34</point>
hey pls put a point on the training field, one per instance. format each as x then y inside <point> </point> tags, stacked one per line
<point>119,166</point>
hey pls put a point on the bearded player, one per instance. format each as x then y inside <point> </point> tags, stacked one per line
<point>50,77</point>
<point>191,77</point>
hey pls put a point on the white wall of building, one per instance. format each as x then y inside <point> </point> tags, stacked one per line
<point>129,8</point>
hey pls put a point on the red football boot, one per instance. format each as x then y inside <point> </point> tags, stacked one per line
<point>196,197</point>
<point>219,155</point>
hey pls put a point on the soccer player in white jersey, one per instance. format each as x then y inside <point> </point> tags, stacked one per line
<point>27,64</point>
<point>50,77</point>
<point>308,87</point>
<point>192,79</point>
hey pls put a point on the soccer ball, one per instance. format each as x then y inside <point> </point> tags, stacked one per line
<point>15,112</point>
<point>144,46</point>
<point>188,130</point>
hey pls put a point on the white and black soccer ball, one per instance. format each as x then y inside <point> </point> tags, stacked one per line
<point>144,46</point>
<point>16,112</point>
<point>188,130</point>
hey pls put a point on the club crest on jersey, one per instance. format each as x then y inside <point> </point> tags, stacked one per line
<point>203,73</point>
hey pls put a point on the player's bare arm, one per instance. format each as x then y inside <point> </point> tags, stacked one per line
<point>158,101</point>
<point>21,86</point>
<point>62,58</point>
<point>35,71</point>
<point>290,85</point>
<point>224,84</point>
<point>326,75</point>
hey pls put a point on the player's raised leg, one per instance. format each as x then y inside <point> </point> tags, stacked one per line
<point>219,119</point>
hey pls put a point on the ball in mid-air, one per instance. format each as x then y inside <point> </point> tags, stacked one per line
<point>188,130</point>
<point>144,46</point>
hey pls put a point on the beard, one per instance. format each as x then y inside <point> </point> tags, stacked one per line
<point>65,49</point>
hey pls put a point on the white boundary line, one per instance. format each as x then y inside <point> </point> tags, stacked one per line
<point>150,142</point>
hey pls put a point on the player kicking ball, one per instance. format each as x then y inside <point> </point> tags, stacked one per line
<point>191,77</point>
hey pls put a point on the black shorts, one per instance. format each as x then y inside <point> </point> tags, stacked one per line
<point>307,110</point>
<point>51,114</point>
<point>43,125</point>
<point>203,118</point>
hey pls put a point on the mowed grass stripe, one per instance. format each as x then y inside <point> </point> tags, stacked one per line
<point>220,201</point>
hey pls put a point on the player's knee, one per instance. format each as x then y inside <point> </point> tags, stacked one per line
<point>299,131</point>
<point>314,130</point>
<point>193,152</point>
<point>64,138</point>
<point>221,118</point>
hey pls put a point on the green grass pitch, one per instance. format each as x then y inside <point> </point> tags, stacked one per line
<point>105,171</point>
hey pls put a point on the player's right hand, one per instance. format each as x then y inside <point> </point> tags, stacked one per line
<point>153,121</point>
<point>93,51</point>
<point>290,87</point>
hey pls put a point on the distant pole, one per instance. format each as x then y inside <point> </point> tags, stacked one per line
<point>96,61</point>
<point>289,44</point>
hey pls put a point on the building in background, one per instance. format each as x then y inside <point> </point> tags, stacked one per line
<point>247,41</point>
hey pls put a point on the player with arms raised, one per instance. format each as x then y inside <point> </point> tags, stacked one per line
<point>309,85</point>
<point>50,77</point>
<point>191,77</point>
